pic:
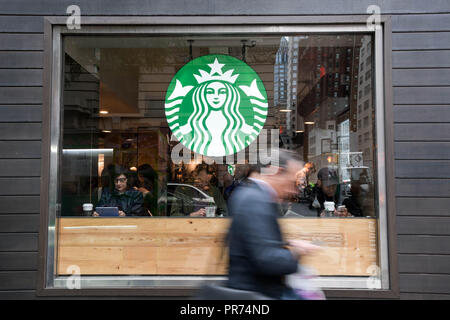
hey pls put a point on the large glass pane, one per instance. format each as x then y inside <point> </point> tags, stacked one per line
<point>136,201</point>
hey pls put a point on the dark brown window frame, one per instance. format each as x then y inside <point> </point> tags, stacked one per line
<point>51,22</point>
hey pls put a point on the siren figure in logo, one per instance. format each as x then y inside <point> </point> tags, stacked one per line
<point>216,120</point>
<point>216,127</point>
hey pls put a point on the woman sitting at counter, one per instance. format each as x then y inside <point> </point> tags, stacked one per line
<point>128,201</point>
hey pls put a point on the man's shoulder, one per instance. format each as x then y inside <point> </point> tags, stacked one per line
<point>244,190</point>
<point>249,198</point>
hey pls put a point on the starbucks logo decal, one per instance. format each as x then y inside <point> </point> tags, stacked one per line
<point>216,105</point>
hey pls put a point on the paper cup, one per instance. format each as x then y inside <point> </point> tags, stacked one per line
<point>88,209</point>
<point>329,205</point>
<point>210,211</point>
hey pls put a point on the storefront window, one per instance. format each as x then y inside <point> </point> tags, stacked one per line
<point>135,200</point>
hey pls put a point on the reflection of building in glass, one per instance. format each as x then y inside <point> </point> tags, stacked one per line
<point>282,85</point>
<point>321,140</point>
<point>285,86</point>
<point>365,114</point>
<point>292,87</point>
<point>327,96</point>
<point>344,148</point>
<point>280,74</point>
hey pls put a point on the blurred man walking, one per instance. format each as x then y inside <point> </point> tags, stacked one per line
<point>259,259</point>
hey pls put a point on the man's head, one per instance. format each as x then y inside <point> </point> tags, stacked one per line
<point>146,172</point>
<point>201,176</point>
<point>309,167</point>
<point>328,181</point>
<point>227,179</point>
<point>120,178</point>
<point>283,176</point>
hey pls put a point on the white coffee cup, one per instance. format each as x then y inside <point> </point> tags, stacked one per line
<point>329,206</point>
<point>210,211</point>
<point>88,209</point>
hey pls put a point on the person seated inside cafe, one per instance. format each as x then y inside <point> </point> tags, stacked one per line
<point>327,189</point>
<point>147,184</point>
<point>128,201</point>
<point>354,202</point>
<point>187,205</point>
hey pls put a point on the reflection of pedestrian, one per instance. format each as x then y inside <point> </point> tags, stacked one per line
<point>258,257</point>
<point>302,176</point>
<point>302,180</point>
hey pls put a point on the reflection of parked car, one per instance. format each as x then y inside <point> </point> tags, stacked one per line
<point>189,197</point>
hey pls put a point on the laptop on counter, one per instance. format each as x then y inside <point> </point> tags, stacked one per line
<point>107,211</point>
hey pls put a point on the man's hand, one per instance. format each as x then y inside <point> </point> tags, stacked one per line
<point>342,213</point>
<point>121,213</point>
<point>337,213</point>
<point>200,213</point>
<point>95,214</point>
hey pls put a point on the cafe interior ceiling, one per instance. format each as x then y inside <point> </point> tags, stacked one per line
<point>310,40</point>
<point>88,51</point>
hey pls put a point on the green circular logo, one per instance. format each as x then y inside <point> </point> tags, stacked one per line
<point>216,105</point>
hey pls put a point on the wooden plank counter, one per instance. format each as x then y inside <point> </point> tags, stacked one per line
<point>192,246</point>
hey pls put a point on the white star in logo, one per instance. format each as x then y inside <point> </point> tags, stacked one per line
<point>216,67</point>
